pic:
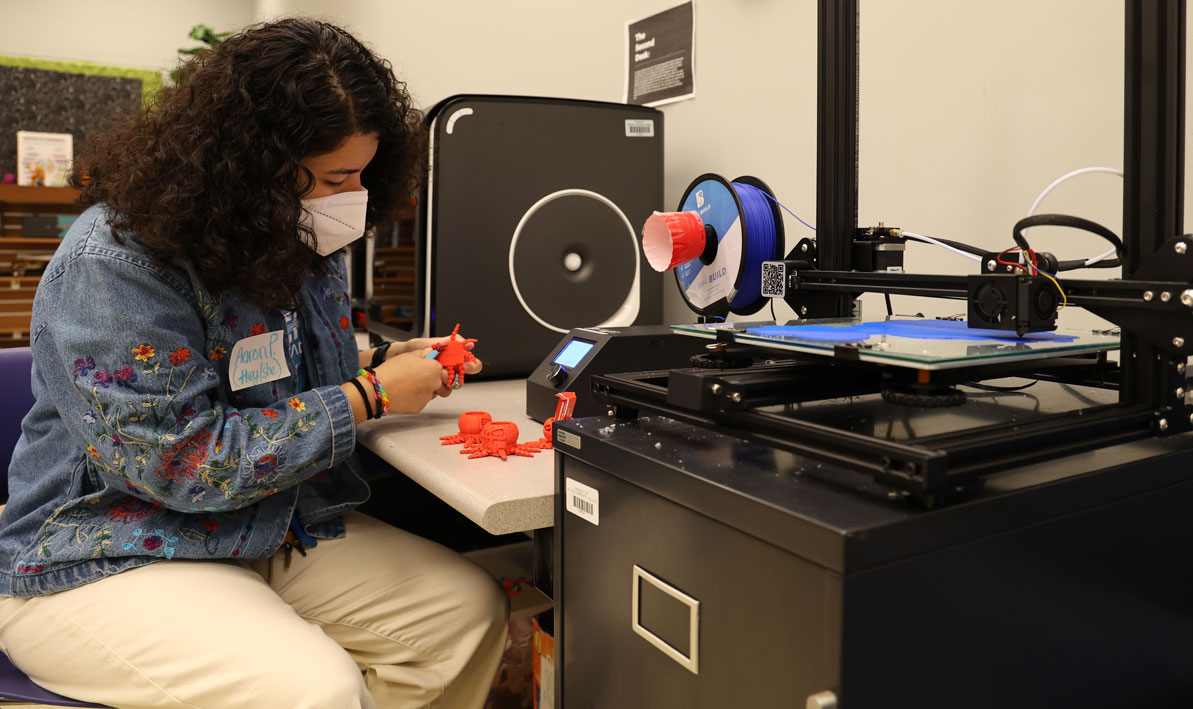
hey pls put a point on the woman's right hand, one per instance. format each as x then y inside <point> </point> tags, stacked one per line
<point>410,380</point>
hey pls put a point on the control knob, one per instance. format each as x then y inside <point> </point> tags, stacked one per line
<point>558,375</point>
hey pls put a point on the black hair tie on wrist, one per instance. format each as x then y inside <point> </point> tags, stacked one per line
<point>360,387</point>
<point>379,354</point>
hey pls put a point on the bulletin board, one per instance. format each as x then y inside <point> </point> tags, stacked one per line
<point>79,98</point>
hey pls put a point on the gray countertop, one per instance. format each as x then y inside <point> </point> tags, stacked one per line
<point>502,497</point>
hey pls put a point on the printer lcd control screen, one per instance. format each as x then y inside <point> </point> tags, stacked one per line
<point>572,353</point>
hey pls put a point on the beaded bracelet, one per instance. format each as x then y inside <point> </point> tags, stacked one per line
<point>382,397</point>
<point>364,396</point>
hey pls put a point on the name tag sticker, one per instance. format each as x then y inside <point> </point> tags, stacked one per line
<point>257,360</point>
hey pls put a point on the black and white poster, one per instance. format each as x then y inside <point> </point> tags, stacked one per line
<point>659,57</point>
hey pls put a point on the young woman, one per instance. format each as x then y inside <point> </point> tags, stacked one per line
<point>198,387</point>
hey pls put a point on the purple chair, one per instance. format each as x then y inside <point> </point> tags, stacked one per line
<point>16,363</point>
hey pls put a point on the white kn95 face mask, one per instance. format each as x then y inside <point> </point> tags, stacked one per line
<point>337,219</point>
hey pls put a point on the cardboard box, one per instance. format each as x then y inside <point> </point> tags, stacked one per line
<point>544,660</point>
<point>513,687</point>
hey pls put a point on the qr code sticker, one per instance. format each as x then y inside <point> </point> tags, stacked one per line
<point>774,279</point>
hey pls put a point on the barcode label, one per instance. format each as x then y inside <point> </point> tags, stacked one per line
<point>583,501</point>
<point>637,128</point>
<point>774,279</point>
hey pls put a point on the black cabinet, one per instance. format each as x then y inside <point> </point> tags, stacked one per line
<point>697,570</point>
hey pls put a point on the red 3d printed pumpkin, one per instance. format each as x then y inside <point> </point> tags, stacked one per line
<point>498,438</point>
<point>471,425</point>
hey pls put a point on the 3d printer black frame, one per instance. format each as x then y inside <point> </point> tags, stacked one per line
<point>1152,304</point>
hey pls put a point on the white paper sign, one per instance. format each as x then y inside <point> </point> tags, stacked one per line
<point>660,53</point>
<point>43,159</point>
<point>257,360</point>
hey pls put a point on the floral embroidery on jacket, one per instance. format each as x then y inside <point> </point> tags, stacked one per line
<point>267,468</point>
<point>152,542</point>
<point>83,365</point>
<point>182,461</point>
<point>125,376</point>
<point>179,458</point>
<point>206,535</point>
<point>158,457</point>
<point>130,509</point>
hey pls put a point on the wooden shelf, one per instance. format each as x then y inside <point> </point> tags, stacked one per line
<point>404,279</point>
<point>16,292</point>
<point>29,242</point>
<point>38,195</point>
<point>15,283</point>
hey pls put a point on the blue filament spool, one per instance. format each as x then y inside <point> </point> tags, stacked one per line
<point>749,230</point>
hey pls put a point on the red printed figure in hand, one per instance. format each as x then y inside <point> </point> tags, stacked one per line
<point>453,356</point>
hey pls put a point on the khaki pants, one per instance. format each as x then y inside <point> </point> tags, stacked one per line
<point>379,618</point>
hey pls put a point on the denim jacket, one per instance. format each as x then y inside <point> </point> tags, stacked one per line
<point>139,450</point>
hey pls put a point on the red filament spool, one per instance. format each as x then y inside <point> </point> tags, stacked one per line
<point>672,238</point>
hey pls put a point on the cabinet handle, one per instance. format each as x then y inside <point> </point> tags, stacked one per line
<point>690,663</point>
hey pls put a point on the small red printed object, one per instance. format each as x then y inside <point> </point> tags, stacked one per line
<point>471,425</point>
<point>453,356</point>
<point>544,443</point>
<point>500,439</point>
<point>563,410</point>
<point>516,586</point>
<point>565,405</point>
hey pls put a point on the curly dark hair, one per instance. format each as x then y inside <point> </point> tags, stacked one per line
<point>211,173</point>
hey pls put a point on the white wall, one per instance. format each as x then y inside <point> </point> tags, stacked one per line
<point>140,34</point>
<point>755,106</point>
<point>448,47</point>
<point>968,109</point>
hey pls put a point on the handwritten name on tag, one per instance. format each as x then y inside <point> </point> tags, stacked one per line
<point>257,360</point>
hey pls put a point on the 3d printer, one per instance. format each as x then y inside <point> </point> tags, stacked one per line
<point>872,520</point>
<point>906,441</point>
